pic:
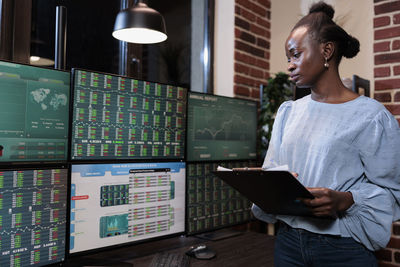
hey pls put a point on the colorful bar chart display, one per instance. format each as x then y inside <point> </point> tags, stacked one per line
<point>33,207</point>
<point>122,118</point>
<point>113,204</point>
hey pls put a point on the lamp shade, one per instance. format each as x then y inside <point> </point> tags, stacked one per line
<point>140,24</point>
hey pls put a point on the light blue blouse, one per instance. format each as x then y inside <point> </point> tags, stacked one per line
<point>353,146</point>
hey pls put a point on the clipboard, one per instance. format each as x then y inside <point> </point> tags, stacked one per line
<point>275,192</point>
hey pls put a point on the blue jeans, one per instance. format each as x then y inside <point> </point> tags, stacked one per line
<point>297,247</point>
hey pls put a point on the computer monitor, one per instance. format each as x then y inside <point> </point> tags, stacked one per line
<point>116,117</point>
<point>211,203</point>
<point>220,128</point>
<point>115,204</point>
<point>33,207</point>
<point>34,108</point>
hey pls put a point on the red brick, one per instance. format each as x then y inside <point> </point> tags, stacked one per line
<point>244,80</point>
<point>242,23</point>
<point>383,97</point>
<point>396,70</point>
<point>387,84</point>
<point>258,30</point>
<point>384,254</point>
<point>381,21</point>
<point>396,19</point>
<point>244,3</point>
<point>396,228</point>
<point>263,23</point>
<point>262,43</point>
<point>387,33</point>
<point>237,10</point>
<point>249,49</point>
<point>248,15</point>
<point>395,110</point>
<point>387,58</point>
<point>240,90</point>
<point>387,7</point>
<point>264,3</point>
<point>262,64</point>
<point>396,45</point>
<point>256,8</point>
<point>256,73</point>
<point>382,72</point>
<point>247,37</point>
<point>242,68</point>
<point>382,46</point>
<point>244,58</point>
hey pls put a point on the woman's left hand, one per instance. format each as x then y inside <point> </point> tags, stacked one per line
<point>328,202</point>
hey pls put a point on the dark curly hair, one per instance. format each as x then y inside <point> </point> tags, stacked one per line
<point>323,29</point>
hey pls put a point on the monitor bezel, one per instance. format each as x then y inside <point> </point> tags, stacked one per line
<point>21,164</point>
<point>187,127</point>
<point>98,159</point>
<point>125,244</point>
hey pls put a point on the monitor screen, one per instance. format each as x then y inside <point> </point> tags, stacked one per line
<point>121,118</point>
<point>220,128</point>
<point>211,203</point>
<point>33,207</point>
<point>113,204</point>
<point>34,110</point>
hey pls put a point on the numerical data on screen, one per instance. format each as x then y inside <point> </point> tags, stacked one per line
<point>122,118</point>
<point>32,217</point>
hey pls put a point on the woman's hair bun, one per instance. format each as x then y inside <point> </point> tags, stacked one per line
<point>352,48</point>
<point>322,7</point>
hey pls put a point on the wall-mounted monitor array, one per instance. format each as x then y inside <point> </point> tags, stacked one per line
<point>121,118</point>
<point>220,128</point>
<point>121,144</point>
<point>211,203</point>
<point>118,203</point>
<point>33,208</point>
<point>34,105</point>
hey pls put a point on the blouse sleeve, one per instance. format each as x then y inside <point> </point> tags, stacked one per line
<point>272,158</point>
<point>377,201</point>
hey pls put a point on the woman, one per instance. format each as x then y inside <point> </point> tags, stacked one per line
<point>345,149</point>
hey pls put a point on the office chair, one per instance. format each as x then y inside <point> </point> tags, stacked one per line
<point>358,83</point>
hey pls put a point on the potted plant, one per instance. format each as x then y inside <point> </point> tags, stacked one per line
<point>274,93</point>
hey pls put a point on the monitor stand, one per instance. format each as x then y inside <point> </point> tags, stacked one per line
<point>219,234</point>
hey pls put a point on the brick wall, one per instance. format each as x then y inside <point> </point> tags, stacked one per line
<point>252,46</point>
<point>387,89</point>
<point>387,54</point>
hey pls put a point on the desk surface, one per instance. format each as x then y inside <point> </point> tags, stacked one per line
<point>245,249</point>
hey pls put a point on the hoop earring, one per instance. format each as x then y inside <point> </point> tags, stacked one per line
<point>326,64</point>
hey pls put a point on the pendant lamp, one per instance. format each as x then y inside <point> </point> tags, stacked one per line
<point>140,24</point>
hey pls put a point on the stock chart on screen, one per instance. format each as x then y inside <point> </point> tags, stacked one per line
<point>121,118</point>
<point>33,207</point>
<point>220,128</point>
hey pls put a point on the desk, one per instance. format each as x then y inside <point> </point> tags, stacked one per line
<point>246,249</point>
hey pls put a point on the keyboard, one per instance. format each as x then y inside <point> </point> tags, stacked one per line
<point>166,259</point>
